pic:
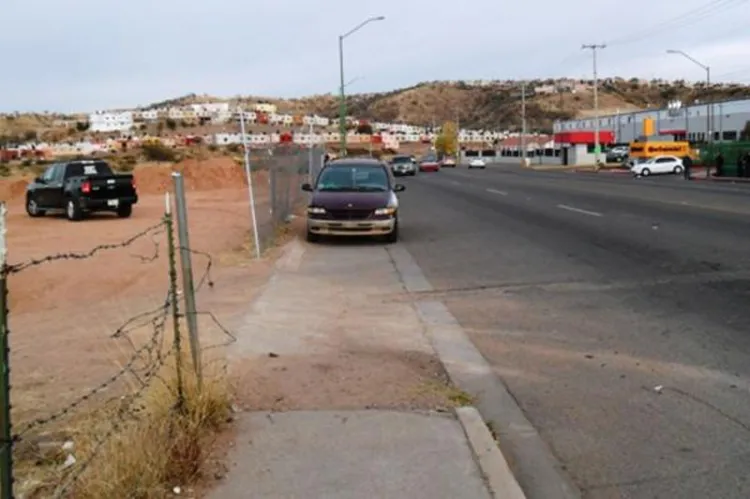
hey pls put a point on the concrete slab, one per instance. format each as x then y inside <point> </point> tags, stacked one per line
<point>351,455</point>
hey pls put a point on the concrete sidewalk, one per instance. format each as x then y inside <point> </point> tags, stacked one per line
<point>328,299</point>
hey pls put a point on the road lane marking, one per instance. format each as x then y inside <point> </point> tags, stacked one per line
<point>455,182</point>
<point>578,210</point>
<point>495,191</point>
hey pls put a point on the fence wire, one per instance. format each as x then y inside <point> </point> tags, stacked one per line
<point>144,366</point>
<point>283,169</point>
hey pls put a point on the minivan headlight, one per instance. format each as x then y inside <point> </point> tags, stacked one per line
<point>316,210</point>
<point>385,211</point>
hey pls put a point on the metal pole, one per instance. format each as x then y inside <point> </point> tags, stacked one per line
<point>522,142</point>
<point>342,99</point>
<point>597,144</point>
<point>310,156</point>
<point>188,289</point>
<point>709,123</point>
<point>169,221</point>
<point>6,451</point>
<point>253,218</point>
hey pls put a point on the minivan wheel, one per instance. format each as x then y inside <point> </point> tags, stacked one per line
<point>392,237</point>
<point>645,172</point>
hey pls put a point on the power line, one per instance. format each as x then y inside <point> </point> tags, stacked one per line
<point>683,20</point>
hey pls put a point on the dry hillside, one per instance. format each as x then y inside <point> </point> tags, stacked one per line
<point>495,106</point>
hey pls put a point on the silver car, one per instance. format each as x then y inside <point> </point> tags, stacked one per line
<point>403,165</point>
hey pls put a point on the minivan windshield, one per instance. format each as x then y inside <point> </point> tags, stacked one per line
<point>355,178</point>
<point>401,159</point>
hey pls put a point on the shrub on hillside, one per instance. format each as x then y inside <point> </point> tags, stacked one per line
<point>158,152</point>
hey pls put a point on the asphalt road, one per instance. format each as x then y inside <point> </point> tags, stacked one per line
<point>616,310</point>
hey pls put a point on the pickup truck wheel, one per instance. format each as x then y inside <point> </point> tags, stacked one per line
<point>32,208</point>
<point>124,210</point>
<point>73,210</point>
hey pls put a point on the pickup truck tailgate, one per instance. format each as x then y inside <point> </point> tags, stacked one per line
<point>114,187</point>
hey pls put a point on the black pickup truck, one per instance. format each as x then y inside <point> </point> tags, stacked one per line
<point>80,187</point>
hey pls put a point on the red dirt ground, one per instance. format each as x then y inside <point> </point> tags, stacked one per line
<point>62,313</point>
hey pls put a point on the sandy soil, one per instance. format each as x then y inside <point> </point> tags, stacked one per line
<point>63,313</point>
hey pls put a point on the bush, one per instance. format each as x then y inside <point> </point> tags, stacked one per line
<point>158,152</point>
<point>171,124</point>
<point>213,147</point>
<point>4,170</point>
<point>234,148</point>
<point>125,163</point>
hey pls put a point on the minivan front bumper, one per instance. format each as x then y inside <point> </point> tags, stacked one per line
<point>351,227</point>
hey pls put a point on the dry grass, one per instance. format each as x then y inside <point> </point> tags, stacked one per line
<point>141,445</point>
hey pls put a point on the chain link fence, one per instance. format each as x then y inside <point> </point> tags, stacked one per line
<point>284,168</point>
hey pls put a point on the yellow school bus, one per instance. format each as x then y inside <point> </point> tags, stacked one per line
<point>647,150</point>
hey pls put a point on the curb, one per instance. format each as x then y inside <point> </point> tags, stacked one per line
<point>494,467</point>
<point>535,468</point>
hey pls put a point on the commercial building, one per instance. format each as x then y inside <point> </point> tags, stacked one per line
<point>693,122</point>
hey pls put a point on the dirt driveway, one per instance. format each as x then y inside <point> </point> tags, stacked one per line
<point>63,312</point>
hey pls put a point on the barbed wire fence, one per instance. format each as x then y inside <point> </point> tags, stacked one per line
<point>144,365</point>
<point>285,167</point>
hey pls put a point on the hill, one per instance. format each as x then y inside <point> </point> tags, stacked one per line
<point>478,105</point>
<point>497,104</point>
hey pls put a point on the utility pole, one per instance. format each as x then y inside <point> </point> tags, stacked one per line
<point>597,146</point>
<point>523,124</point>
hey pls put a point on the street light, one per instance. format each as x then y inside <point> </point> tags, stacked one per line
<point>342,103</point>
<point>709,128</point>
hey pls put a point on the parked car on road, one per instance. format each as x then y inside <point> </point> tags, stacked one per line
<point>477,163</point>
<point>403,165</point>
<point>353,197</point>
<point>658,165</point>
<point>80,187</point>
<point>448,162</point>
<point>617,154</point>
<point>429,164</point>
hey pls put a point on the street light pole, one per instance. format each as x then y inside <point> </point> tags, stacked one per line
<point>522,142</point>
<point>342,95</point>
<point>597,145</point>
<point>709,113</point>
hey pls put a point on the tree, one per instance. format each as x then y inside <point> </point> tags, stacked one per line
<point>446,142</point>
<point>82,126</point>
<point>171,124</point>
<point>364,129</point>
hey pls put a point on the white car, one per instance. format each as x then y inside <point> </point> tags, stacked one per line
<point>477,163</point>
<point>658,165</point>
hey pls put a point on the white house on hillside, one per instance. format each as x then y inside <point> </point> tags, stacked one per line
<point>111,121</point>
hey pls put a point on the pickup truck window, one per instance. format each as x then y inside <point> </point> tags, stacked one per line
<point>57,172</point>
<point>93,169</point>
<point>49,173</point>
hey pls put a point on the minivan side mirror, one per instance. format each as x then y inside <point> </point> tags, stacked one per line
<point>307,187</point>
<point>39,180</point>
<point>399,188</point>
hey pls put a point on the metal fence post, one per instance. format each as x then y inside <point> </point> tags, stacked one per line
<point>169,221</point>
<point>272,173</point>
<point>250,190</point>
<point>188,289</point>
<point>6,452</point>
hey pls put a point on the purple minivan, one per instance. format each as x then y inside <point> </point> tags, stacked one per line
<point>353,197</point>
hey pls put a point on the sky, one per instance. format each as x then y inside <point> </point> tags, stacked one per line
<point>86,55</point>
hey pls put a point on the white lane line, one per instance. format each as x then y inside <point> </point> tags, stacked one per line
<point>495,191</point>
<point>578,210</point>
<point>455,182</point>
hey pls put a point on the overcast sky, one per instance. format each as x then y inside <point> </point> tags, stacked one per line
<point>81,55</point>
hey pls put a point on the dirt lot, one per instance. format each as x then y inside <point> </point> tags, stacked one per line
<point>62,313</point>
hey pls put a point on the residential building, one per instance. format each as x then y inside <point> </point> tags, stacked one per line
<point>111,121</point>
